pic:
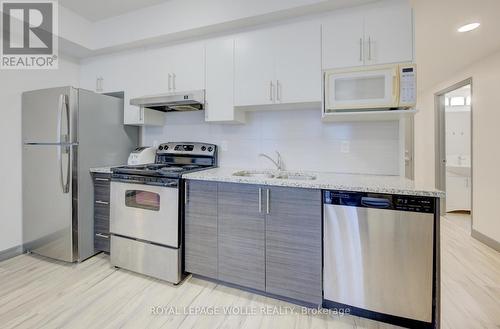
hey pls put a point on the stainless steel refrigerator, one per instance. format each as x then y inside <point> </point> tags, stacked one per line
<point>66,131</point>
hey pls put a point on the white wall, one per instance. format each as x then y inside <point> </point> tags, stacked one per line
<point>485,136</point>
<point>304,142</point>
<point>12,84</point>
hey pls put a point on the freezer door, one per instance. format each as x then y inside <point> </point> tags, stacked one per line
<point>49,116</point>
<point>47,201</point>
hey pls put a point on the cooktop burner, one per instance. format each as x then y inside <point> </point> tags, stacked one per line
<point>173,160</point>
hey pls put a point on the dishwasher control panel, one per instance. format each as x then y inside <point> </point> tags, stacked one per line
<point>380,201</point>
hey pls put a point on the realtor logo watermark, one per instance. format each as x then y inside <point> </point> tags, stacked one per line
<point>29,35</point>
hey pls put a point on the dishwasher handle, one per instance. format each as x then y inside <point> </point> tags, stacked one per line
<point>379,203</point>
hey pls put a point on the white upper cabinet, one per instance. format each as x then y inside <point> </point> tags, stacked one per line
<point>379,34</point>
<point>188,67</point>
<point>298,63</point>
<point>278,65</point>
<point>342,37</point>
<point>389,34</point>
<point>254,68</point>
<point>219,80</point>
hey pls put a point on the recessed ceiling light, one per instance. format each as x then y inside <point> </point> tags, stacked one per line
<point>468,27</point>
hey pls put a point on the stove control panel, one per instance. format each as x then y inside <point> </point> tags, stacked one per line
<point>192,149</point>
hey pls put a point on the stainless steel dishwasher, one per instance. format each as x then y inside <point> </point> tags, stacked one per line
<point>378,253</point>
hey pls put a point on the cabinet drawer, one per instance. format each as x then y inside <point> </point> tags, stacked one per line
<point>101,211</point>
<point>101,241</point>
<point>101,192</point>
<point>101,225</point>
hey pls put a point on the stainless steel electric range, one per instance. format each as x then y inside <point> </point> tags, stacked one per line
<point>146,212</point>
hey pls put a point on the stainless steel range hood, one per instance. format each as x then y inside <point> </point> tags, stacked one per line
<point>178,101</point>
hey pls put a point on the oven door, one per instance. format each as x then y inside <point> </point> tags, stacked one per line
<point>145,212</point>
<point>362,88</point>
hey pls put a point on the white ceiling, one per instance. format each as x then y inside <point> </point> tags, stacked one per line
<point>440,50</point>
<point>95,10</point>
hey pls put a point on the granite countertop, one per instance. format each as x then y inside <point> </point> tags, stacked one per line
<point>102,170</point>
<point>324,180</point>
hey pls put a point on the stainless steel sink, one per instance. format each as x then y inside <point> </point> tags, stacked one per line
<point>254,173</point>
<point>277,175</point>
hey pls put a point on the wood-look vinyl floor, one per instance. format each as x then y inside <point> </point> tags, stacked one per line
<point>36,293</point>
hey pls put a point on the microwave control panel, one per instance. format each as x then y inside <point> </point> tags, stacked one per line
<point>408,86</point>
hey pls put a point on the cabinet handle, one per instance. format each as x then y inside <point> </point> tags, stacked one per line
<point>278,91</point>
<point>141,114</point>
<point>369,48</point>
<point>271,87</point>
<point>169,82</point>
<point>173,81</point>
<point>185,192</point>
<point>267,201</point>
<point>260,200</point>
<point>102,202</point>
<point>360,49</point>
<point>102,179</point>
<point>104,236</point>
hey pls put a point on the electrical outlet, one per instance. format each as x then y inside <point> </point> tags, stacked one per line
<point>224,146</point>
<point>345,147</point>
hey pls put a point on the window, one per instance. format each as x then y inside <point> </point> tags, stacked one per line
<point>142,200</point>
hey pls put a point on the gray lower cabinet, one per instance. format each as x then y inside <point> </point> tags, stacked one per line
<point>200,228</point>
<point>102,183</point>
<point>241,236</point>
<point>259,237</point>
<point>294,244</point>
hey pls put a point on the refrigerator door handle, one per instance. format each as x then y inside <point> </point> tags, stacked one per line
<point>63,138</point>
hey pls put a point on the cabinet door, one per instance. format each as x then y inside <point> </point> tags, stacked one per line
<point>158,68</point>
<point>342,40</point>
<point>298,63</point>
<point>241,236</point>
<point>254,68</point>
<point>219,75</point>
<point>200,224</point>
<point>457,192</point>
<point>389,34</point>
<point>188,67</point>
<point>294,244</point>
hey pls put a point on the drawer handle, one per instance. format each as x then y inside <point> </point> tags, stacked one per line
<point>104,236</point>
<point>102,202</point>
<point>102,179</point>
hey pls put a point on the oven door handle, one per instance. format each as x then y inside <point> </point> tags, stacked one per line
<point>173,184</point>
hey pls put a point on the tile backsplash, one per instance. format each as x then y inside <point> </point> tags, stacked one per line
<point>303,140</point>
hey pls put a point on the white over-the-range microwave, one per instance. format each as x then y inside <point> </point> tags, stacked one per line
<point>370,88</point>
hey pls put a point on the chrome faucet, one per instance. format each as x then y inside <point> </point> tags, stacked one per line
<point>278,163</point>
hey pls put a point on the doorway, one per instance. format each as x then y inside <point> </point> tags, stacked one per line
<point>454,151</point>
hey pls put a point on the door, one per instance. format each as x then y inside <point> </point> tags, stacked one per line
<point>379,260</point>
<point>254,68</point>
<point>188,67</point>
<point>145,212</point>
<point>342,40</point>
<point>47,201</point>
<point>362,88</point>
<point>298,63</point>
<point>241,235</point>
<point>201,228</point>
<point>219,70</point>
<point>389,34</point>
<point>50,116</point>
<point>294,244</point>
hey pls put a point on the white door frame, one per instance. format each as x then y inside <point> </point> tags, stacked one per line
<point>440,139</point>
